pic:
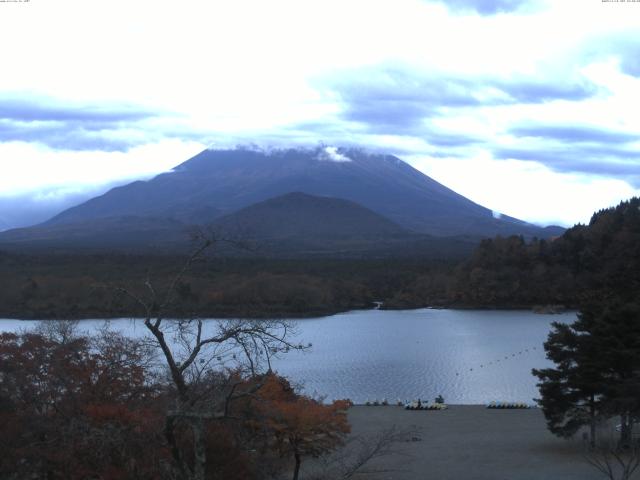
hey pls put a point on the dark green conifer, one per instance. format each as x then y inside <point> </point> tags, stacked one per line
<point>597,372</point>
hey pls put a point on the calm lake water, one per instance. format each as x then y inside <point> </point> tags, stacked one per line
<point>468,356</point>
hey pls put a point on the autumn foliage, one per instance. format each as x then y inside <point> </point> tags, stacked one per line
<point>80,408</point>
<point>299,426</point>
<point>75,410</point>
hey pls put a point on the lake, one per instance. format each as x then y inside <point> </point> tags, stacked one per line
<point>467,356</point>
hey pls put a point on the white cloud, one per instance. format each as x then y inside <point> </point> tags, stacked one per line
<point>31,168</point>
<point>527,190</point>
<point>252,70</point>
<point>331,154</point>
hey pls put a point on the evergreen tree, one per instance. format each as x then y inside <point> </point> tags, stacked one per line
<point>597,373</point>
<point>616,327</point>
<point>570,392</point>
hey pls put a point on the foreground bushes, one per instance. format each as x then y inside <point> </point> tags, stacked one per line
<point>72,408</point>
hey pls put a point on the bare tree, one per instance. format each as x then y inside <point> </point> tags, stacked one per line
<point>61,331</point>
<point>207,362</point>
<point>614,460</point>
<point>360,452</point>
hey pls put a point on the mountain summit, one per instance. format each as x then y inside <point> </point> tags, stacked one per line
<point>216,183</point>
<point>297,202</point>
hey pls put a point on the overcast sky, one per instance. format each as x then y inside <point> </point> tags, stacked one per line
<point>528,107</point>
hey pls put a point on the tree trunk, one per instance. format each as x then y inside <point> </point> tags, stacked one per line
<point>199,449</point>
<point>625,430</point>
<point>169,433</point>
<point>296,470</point>
<point>592,414</point>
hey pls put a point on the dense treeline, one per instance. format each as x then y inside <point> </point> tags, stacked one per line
<point>596,375</point>
<point>83,286</point>
<point>587,261</point>
<point>504,272</point>
<point>597,259</point>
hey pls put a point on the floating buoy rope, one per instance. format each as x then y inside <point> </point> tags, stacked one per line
<point>507,357</point>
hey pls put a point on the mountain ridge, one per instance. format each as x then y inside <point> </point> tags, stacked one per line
<point>366,195</point>
<point>217,182</point>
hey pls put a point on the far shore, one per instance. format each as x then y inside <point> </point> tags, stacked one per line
<point>472,442</point>
<point>287,315</point>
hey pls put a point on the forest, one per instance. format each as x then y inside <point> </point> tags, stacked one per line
<point>84,286</point>
<point>587,261</point>
<point>503,272</point>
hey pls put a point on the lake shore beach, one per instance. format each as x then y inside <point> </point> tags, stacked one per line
<point>472,442</point>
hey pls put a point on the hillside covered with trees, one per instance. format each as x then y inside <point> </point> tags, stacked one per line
<point>503,272</point>
<point>587,260</point>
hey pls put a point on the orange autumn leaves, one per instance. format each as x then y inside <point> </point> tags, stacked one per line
<point>76,409</point>
<point>300,426</point>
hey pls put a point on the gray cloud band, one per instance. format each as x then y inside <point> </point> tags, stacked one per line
<point>595,160</point>
<point>87,127</point>
<point>397,101</point>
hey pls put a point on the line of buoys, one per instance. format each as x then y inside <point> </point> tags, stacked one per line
<point>507,357</point>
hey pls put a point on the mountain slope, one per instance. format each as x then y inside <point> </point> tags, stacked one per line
<point>302,225</point>
<point>119,233</point>
<point>218,182</point>
<point>294,225</point>
<point>299,215</point>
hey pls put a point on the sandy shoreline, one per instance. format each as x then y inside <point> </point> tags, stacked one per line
<point>473,442</point>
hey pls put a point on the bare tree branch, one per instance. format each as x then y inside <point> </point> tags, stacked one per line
<point>356,457</point>
<point>205,393</point>
<point>615,462</point>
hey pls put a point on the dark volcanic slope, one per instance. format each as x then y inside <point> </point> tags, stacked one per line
<point>299,215</point>
<point>126,232</point>
<point>218,182</point>
<point>302,225</point>
<point>293,225</point>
